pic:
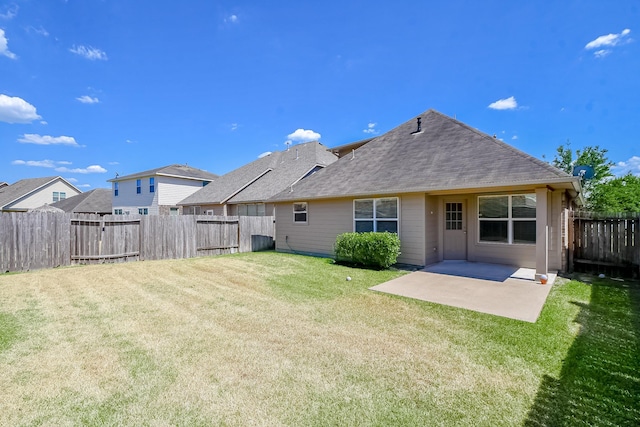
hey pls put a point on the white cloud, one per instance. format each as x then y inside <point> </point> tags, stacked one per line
<point>34,138</point>
<point>601,53</point>
<point>609,40</point>
<point>234,126</point>
<point>41,31</point>
<point>9,12</point>
<point>86,99</point>
<point>514,137</point>
<point>88,169</point>
<point>36,163</point>
<point>4,46</point>
<point>89,52</point>
<point>303,135</point>
<point>16,110</point>
<point>113,163</point>
<point>504,104</point>
<point>631,165</point>
<point>371,128</point>
<point>233,19</point>
<point>72,180</point>
<point>83,185</point>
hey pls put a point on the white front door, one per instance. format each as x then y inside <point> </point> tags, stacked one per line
<point>455,231</point>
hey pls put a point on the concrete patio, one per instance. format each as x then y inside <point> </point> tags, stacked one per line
<point>500,290</point>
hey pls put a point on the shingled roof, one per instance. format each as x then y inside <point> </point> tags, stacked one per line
<point>24,187</point>
<point>444,155</point>
<point>94,201</point>
<point>264,177</point>
<point>180,171</point>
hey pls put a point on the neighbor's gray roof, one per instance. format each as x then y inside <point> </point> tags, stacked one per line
<point>182,171</point>
<point>24,187</point>
<point>445,155</point>
<point>264,177</point>
<point>94,201</point>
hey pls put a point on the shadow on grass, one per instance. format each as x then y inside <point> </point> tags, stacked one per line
<point>600,379</point>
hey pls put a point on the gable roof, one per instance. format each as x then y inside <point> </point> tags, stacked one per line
<point>3,184</point>
<point>94,201</point>
<point>177,171</point>
<point>24,187</point>
<point>445,155</point>
<point>264,177</point>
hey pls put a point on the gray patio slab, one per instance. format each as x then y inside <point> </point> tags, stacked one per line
<point>487,288</point>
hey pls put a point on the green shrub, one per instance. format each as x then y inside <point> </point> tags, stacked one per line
<point>379,250</point>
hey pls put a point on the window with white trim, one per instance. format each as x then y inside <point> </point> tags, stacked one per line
<point>507,219</point>
<point>143,211</point>
<point>59,195</point>
<point>115,189</point>
<point>117,211</point>
<point>375,215</point>
<point>152,185</point>
<point>300,212</point>
<point>138,186</point>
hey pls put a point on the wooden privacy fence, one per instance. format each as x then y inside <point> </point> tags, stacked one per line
<point>606,243</point>
<point>37,240</point>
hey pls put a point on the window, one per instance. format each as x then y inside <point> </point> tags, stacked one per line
<point>453,216</point>
<point>115,189</point>
<point>138,186</point>
<point>375,215</point>
<point>117,211</point>
<point>256,209</point>
<point>174,211</point>
<point>59,195</point>
<point>143,211</point>
<point>152,185</point>
<point>507,219</point>
<point>300,212</point>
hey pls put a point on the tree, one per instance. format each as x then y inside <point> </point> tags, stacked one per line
<point>620,194</point>
<point>595,157</point>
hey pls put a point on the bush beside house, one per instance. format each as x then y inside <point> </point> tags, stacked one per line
<point>378,250</point>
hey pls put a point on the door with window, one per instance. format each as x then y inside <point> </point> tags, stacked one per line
<point>455,230</point>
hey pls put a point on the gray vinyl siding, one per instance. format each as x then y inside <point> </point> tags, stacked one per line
<point>328,218</point>
<point>431,230</point>
<point>412,229</point>
<point>325,220</point>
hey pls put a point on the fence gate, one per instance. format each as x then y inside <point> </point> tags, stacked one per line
<point>95,239</point>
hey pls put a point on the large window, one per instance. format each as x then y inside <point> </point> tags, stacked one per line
<point>507,219</point>
<point>300,212</point>
<point>375,215</point>
<point>255,209</point>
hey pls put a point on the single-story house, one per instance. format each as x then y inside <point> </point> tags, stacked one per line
<point>450,191</point>
<point>244,190</point>
<point>156,191</point>
<point>31,193</point>
<point>97,201</point>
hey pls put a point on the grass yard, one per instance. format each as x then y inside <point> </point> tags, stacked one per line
<point>270,339</point>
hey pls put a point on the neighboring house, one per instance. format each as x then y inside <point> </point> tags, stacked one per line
<point>243,191</point>
<point>450,191</point>
<point>96,201</point>
<point>34,192</point>
<point>156,191</point>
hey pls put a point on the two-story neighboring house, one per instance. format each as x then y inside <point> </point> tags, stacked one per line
<point>156,191</point>
<point>31,193</point>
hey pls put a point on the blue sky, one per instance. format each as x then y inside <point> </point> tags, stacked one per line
<point>91,88</point>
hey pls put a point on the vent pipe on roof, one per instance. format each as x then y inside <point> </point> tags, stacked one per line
<point>419,129</point>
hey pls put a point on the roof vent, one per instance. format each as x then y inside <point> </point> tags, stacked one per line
<point>419,129</point>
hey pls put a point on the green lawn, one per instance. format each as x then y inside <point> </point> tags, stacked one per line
<point>274,339</point>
